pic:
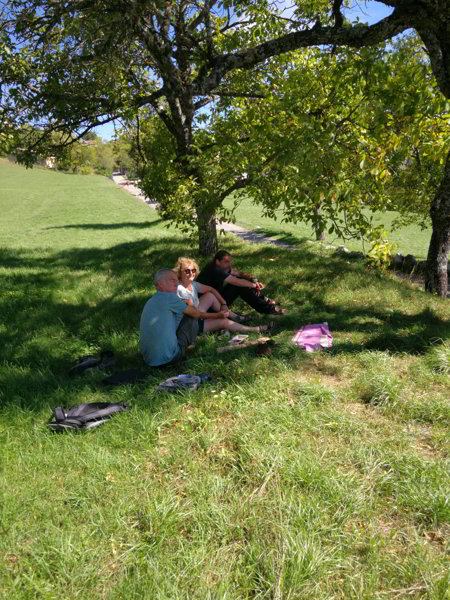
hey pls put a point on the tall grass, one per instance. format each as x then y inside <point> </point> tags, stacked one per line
<point>293,475</point>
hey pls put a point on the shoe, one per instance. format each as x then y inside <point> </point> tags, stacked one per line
<point>107,359</point>
<point>90,362</point>
<point>83,364</point>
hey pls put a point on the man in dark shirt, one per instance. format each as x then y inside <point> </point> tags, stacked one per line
<point>232,284</point>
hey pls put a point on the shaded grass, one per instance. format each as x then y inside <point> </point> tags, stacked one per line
<point>297,475</point>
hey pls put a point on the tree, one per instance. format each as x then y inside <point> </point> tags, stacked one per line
<point>104,158</point>
<point>320,159</point>
<point>347,130</point>
<point>123,160</point>
<point>91,136</point>
<point>80,63</point>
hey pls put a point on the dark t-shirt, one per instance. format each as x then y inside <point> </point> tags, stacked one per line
<point>213,275</point>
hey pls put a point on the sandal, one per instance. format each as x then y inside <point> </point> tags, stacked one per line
<point>268,300</point>
<point>266,328</point>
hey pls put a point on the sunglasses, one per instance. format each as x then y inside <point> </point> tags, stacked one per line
<point>189,271</point>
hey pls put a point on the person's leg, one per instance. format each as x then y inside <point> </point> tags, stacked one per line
<point>208,302</point>
<point>248,295</point>
<point>230,293</point>
<point>187,333</point>
<point>216,324</point>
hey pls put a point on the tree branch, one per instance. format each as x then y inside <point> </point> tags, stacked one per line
<point>221,94</point>
<point>239,184</point>
<point>353,36</point>
<point>336,12</point>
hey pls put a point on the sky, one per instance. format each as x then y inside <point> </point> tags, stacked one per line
<point>368,12</point>
<point>364,11</point>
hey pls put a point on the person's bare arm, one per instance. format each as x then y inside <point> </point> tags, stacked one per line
<point>237,281</point>
<point>191,311</point>
<point>241,274</point>
<point>246,277</point>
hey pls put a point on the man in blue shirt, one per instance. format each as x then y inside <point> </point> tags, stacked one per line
<point>168,325</point>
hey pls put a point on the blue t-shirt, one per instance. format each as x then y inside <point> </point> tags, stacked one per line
<point>158,328</point>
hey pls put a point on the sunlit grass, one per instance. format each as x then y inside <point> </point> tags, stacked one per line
<point>410,239</point>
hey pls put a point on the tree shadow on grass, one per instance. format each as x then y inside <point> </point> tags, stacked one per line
<point>59,306</point>
<point>280,238</point>
<point>110,226</point>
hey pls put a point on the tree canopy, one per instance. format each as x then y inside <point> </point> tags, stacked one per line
<point>69,66</point>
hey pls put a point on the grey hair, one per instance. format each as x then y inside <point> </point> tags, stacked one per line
<point>161,274</point>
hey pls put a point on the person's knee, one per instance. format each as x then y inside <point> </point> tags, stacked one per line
<point>207,300</point>
<point>223,323</point>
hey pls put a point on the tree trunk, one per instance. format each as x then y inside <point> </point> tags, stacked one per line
<point>207,231</point>
<point>436,276</point>
<point>319,226</point>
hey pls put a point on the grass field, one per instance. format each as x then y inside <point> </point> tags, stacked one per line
<point>410,239</point>
<point>293,476</point>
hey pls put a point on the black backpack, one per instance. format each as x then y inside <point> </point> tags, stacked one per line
<point>84,416</point>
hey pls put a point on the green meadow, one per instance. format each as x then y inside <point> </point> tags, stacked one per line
<point>289,476</point>
<point>409,239</point>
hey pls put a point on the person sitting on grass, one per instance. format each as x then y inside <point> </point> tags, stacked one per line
<point>210,299</point>
<point>168,326</point>
<point>232,284</point>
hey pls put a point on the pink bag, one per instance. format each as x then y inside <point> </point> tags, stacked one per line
<point>313,337</point>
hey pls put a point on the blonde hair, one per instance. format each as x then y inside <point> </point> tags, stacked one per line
<point>183,262</point>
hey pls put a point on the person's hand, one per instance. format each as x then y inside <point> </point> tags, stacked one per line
<point>223,314</point>
<point>258,287</point>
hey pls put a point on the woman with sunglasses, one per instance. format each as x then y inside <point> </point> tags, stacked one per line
<point>210,299</point>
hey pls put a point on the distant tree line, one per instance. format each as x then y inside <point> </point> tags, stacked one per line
<point>91,155</point>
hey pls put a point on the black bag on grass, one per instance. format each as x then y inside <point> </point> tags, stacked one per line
<point>84,416</point>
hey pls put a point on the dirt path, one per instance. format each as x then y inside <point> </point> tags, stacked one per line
<point>245,234</point>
